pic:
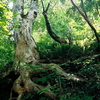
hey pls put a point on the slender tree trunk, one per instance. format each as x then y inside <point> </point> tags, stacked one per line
<point>70,35</point>
<point>48,26</point>
<point>51,33</point>
<point>87,20</point>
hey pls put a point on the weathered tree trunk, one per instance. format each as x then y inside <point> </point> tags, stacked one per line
<point>26,53</point>
<point>25,48</point>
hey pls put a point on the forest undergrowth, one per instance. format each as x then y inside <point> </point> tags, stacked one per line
<point>83,66</point>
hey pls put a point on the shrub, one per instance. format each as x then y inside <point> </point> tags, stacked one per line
<point>6,52</point>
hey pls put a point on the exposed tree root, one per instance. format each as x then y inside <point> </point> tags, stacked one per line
<point>60,71</point>
<point>24,82</point>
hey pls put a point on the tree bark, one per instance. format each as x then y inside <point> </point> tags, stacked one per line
<point>51,33</point>
<point>27,56</point>
<point>25,48</point>
<point>48,26</point>
<point>83,9</point>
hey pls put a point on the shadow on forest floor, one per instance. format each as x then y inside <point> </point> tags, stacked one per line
<point>88,67</point>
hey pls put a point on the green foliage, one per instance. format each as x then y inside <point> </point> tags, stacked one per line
<point>62,1</point>
<point>61,20</point>
<point>59,51</point>
<point>3,19</point>
<point>94,48</point>
<point>69,89</point>
<point>76,97</point>
<point>6,52</point>
<point>6,46</point>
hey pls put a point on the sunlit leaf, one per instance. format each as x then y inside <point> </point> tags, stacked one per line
<point>62,1</point>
